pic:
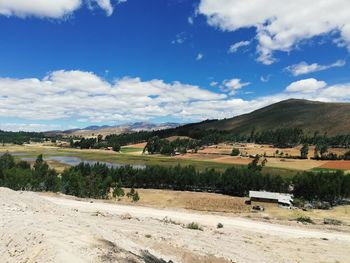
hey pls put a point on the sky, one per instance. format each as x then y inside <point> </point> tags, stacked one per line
<point>73,63</point>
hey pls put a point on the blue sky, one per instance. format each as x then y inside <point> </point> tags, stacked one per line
<point>77,63</point>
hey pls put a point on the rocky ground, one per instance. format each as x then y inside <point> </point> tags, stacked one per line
<point>39,228</point>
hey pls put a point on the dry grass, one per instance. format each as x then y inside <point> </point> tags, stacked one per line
<point>189,200</point>
<point>341,213</point>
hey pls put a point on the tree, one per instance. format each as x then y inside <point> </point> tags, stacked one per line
<point>235,152</point>
<point>304,151</point>
<point>131,193</point>
<point>118,192</point>
<point>116,147</point>
<point>136,197</point>
<point>347,155</point>
<point>254,165</point>
<point>7,161</point>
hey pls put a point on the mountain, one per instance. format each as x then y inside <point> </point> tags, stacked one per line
<point>311,116</point>
<point>118,129</point>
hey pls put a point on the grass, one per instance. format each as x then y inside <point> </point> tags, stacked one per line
<point>131,149</point>
<point>194,226</point>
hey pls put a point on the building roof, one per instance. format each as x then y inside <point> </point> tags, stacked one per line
<point>280,197</point>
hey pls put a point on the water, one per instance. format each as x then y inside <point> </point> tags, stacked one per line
<point>73,161</point>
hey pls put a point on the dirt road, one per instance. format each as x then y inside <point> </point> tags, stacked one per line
<point>37,228</point>
<point>203,219</point>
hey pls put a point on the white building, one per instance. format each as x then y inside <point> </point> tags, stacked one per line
<point>262,196</point>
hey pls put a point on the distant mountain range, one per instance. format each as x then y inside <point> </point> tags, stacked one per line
<point>118,129</point>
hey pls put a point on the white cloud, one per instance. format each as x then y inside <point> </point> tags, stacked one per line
<point>305,68</point>
<point>265,78</point>
<point>213,83</point>
<point>306,86</point>
<point>234,47</point>
<point>280,25</point>
<point>199,56</point>
<point>190,20</point>
<point>50,8</point>
<point>180,38</point>
<point>86,97</point>
<point>28,127</point>
<point>232,85</point>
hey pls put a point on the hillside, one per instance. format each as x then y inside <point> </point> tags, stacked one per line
<point>310,116</point>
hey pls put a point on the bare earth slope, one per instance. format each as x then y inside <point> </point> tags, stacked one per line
<point>36,228</point>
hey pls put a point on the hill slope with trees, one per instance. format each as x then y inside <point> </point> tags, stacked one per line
<point>310,116</point>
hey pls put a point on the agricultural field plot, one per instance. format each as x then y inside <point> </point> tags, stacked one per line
<point>210,157</point>
<point>342,165</point>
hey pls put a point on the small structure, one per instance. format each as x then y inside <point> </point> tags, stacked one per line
<point>270,197</point>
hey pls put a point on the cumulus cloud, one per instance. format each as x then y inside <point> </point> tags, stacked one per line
<point>305,68</point>
<point>232,85</point>
<point>50,9</point>
<point>10,126</point>
<point>86,97</point>
<point>306,86</point>
<point>234,47</point>
<point>280,25</point>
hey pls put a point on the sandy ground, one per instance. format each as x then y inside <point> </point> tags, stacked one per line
<point>38,228</point>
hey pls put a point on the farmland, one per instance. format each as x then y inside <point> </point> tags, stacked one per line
<point>215,156</point>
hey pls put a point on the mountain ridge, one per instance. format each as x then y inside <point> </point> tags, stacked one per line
<point>311,116</point>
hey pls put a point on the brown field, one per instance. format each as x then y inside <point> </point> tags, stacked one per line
<point>343,165</point>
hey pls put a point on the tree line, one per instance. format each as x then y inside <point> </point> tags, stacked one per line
<point>281,138</point>
<point>96,181</point>
<point>20,137</point>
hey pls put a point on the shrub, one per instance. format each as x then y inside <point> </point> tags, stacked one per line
<point>194,226</point>
<point>136,197</point>
<point>305,220</point>
<point>331,221</point>
<point>235,152</point>
<point>148,236</point>
<point>220,225</point>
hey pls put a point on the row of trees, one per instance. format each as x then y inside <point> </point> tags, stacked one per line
<point>166,147</point>
<point>20,175</point>
<point>96,181</point>
<point>282,138</point>
<point>20,137</point>
<point>321,153</point>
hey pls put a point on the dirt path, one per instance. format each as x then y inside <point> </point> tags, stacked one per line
<point>203,219</point>
<point>37,228</point>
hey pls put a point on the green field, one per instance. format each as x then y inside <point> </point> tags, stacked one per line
<point>126,156</point>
